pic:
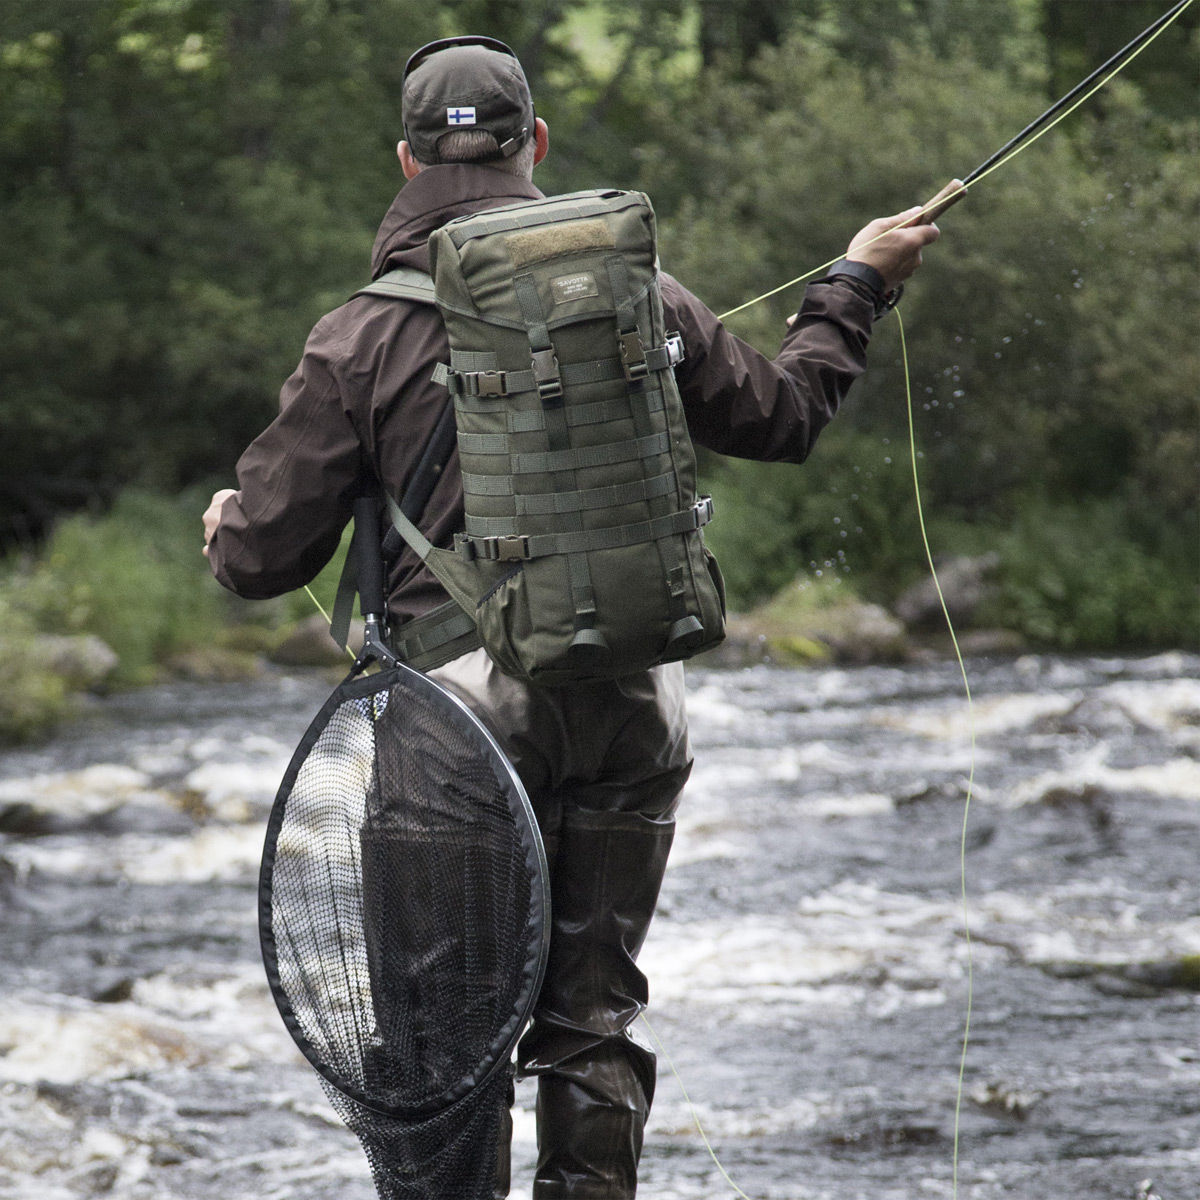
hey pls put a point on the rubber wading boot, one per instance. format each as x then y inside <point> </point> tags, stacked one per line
<point>595,1084</point>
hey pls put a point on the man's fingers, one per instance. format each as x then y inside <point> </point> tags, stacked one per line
<point>908,216</point>
<point>212,514</point>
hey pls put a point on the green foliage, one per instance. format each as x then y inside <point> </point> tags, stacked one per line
<point>185,185</point>
<point>32,698</point>
<point>846,513</point>
<point>135,578</point>
<point>1076,578</point>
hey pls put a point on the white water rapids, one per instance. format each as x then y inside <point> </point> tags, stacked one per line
<point>808,964</point>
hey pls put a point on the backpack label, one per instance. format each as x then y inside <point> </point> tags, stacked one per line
<point>574,287</point>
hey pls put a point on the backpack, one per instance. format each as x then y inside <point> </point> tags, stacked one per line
<point>582,555</point>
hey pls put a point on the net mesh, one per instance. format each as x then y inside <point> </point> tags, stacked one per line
<point>401,914</point>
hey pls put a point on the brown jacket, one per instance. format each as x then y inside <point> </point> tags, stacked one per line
<point>361,405</point>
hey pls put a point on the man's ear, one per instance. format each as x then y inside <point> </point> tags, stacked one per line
<point>541,140</point>
<point>408,164</point>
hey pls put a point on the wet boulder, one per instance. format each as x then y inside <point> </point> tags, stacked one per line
<point>309,645</point>
<point>858,632</point>
<point>83,662</point>
<point>813,622</point>
<point>967,584</point>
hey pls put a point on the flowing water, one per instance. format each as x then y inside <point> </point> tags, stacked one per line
<point>808,966</point>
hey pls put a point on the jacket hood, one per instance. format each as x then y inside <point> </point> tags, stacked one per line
<point>433,197</point>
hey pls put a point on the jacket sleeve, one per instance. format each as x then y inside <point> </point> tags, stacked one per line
<point>297,482</point>
<point>741,403</point>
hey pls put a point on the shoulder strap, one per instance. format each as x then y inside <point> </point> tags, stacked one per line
<point>448,631</point>
<point>404,283</point>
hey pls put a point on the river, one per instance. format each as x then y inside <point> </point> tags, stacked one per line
<point>809,964</point>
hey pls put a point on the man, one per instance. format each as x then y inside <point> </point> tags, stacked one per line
<point>604,763</point>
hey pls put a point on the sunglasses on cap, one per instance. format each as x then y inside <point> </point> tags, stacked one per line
<point>415,59</point>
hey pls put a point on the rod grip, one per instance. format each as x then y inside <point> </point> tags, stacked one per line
<point>949,196</point>
<point>369,556</point>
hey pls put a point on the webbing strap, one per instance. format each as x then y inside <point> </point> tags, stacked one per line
<point>612,496</point>
<point>434,639</point>
<point>485,381</point>
<point>412,535</point>
<point>404,283</point>
<point>583,595</point>
<point>488,485</point>
<point>472,360</point>
<point>600,412</point>
<point>591,456</point>
<point>482,443</point>
<point>515,548</point>
<point>546,375</point>
<point>558,503</point>
<point>629,338</point>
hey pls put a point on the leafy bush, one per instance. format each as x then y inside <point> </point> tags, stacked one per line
<point>135,578</point>
<point>848,511</point>
<point>1075,578</point>
<point>32,697</point>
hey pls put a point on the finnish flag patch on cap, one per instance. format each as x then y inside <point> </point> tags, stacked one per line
<point>460,116</point>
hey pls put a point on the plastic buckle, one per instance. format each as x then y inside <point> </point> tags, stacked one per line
<point>633,355</point>
<point>545,374</point>
<point>675,349</point>
<point>466,547</point>
<point>702,511</point>
<point>490,383</point>
<point>512,547</point>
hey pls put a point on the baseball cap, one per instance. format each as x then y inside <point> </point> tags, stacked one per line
<point>465,83</point>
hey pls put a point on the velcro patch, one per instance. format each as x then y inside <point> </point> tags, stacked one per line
<point>565,237</point>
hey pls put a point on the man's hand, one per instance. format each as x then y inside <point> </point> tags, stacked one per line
<point>212,515</point>
<point>893,245</point>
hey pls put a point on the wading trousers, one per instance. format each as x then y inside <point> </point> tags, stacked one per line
<point>604,765</point>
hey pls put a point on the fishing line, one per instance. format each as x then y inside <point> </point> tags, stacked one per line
<point>321,610</point>
<point>691,1107</point>
<point>1057,112</point>
<point>966,815</point>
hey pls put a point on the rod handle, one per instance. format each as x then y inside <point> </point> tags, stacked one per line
<point>950,195</point>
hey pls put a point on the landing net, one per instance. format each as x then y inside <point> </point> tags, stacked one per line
<point>402,913</point>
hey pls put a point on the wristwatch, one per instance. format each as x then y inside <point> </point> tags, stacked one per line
<point>885,299</point>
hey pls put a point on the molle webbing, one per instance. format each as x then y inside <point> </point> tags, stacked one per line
<point>539,503</point>
<point>484,381</point>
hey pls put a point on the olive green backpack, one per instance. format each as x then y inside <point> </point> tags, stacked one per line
<point>582,555</point>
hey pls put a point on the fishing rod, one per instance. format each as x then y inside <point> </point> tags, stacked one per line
<point>956,189</point>
<point>1114,64</point>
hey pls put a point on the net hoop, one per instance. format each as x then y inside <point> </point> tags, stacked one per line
<point>537,926</point>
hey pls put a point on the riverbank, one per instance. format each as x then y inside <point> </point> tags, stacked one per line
<point>123,600</point>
